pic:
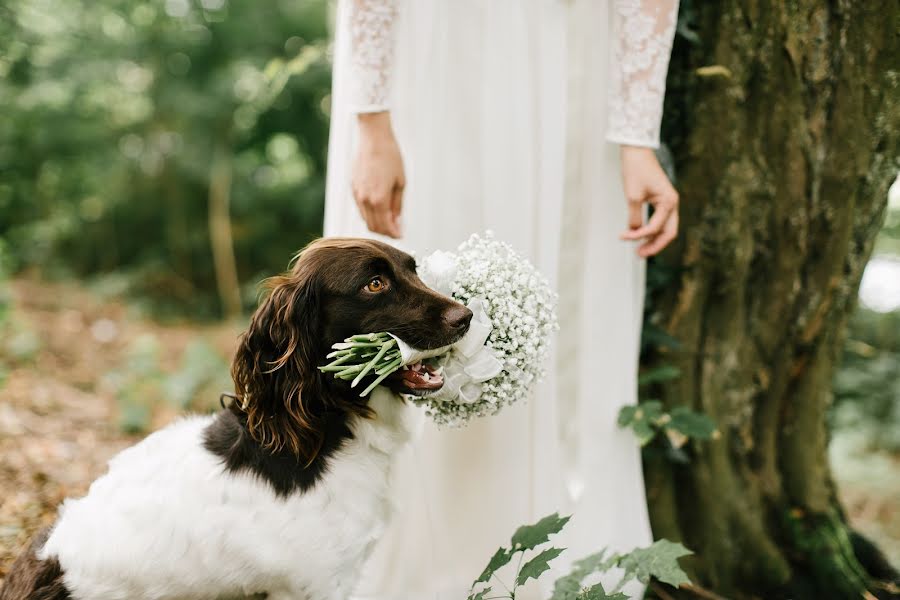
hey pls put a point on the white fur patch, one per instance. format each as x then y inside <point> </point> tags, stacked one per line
<point>167,521</point>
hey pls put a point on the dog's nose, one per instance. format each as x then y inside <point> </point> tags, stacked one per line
<point>458,317</point>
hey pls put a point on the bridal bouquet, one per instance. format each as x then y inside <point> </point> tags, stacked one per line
<point>500,358</point>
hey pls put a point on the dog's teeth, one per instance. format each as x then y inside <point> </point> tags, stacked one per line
<point>406,367</point>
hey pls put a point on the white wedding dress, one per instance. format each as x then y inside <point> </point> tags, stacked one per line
<point>508,113</point>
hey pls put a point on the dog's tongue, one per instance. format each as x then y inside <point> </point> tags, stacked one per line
<point>419,376</point>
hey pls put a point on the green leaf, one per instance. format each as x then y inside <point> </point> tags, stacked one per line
<point>535,567</point>
<point>568,587</point>
<point>659,375</point>
<point>501,557</point>
<point>480,595</point>
<point>641,419</point>
<point>659,560</point>
<point>644,432</point>
<point>651,410</point>
<point>527,537</point>
<point>597,592</point>
<point>691,424</point>
<point>626,415</point>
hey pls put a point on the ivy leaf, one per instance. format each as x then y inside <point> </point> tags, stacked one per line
<point>535,567</point>
<point>641,419</point>
<point>626,415</point>
<point>597,592</point>
<point>644,432</point>
<point>659,375</point>
<point>501,557</point>
<point>691,424</point>
<point>528,537</point>
<point>651,410</point>
<point>480,595</point>
<point>659,560</point>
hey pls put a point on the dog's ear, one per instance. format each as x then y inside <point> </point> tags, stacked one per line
<point>275,372</point>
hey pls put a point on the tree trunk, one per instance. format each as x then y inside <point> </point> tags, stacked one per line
<point>783,121</point>
<point>220,231</point>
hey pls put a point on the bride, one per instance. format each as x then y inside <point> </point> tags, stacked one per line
<point>536,119</point>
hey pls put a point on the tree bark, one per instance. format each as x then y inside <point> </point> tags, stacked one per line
<point>784,121</point>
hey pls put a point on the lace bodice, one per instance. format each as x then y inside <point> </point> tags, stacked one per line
<point>641,38</point>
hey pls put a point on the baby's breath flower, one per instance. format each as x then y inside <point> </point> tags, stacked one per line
<point>522,309</point>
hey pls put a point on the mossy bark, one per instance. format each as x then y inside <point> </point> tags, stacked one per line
<point>784,121</point>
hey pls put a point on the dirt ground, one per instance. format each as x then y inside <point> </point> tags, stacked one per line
<point>59,411</point>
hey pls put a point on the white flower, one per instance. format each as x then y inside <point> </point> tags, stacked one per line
<point>520,306</point>
<point>438,271</point>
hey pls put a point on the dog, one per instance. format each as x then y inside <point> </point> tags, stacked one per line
<point>285,492</point>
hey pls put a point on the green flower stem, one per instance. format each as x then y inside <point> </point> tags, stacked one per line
<point>362,355</point>
<point>387,346</point>
<point>375,383</point>
<point>390,367</point>
<point>351,370</point>
<point>332,366</point>
<point>370,337</point>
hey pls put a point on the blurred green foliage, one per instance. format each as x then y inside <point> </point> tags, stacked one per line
<point>140,383</point>
<point>113,110</point>
<point>867,382</point>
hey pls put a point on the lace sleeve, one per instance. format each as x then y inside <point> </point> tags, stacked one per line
<point>642,43</point>
<point>371,29</point>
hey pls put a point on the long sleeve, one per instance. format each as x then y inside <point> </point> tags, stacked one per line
<point>643,31</point>
<point>371,28</point>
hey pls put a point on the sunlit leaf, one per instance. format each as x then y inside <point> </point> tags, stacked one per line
<point>535,567</point>
<point>501,558</point>
<point>597,592</point>
<point>480,595</point>
<point>691,424</point>
<point>659,560</point>
<point>527,537</point>
<point>569,586</point>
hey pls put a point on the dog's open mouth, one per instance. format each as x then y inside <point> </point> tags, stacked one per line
<point>417,379</point>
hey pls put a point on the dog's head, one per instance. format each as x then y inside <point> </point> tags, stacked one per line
<point>336,287</point>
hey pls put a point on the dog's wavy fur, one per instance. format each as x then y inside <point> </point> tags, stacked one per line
<point>275,366</point>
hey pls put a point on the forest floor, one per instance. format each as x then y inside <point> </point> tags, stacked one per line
<point>77,371</point>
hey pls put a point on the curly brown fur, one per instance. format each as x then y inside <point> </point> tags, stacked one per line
<point>34,579</point>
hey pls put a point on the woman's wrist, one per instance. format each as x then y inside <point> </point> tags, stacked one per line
<point>629,150</point>
<point>376,125</point>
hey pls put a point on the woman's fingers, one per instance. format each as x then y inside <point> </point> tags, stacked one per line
<point>655,244</point>
<point>378,174</point>
<point>378,208</point>
<point>635,215</point>
<point>654,226</point>
<point>396,210</point>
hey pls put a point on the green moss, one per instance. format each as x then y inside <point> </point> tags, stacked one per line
<point>825,554</point>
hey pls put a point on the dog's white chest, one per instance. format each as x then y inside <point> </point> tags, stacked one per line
<point>167,521</point>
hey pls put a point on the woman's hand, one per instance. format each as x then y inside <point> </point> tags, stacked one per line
<point>377,178</point>
<point>644,181</point>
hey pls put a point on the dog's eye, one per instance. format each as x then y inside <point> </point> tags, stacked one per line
<point>376,285</point>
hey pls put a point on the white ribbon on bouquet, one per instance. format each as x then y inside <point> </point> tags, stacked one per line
<point>468,363</point>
